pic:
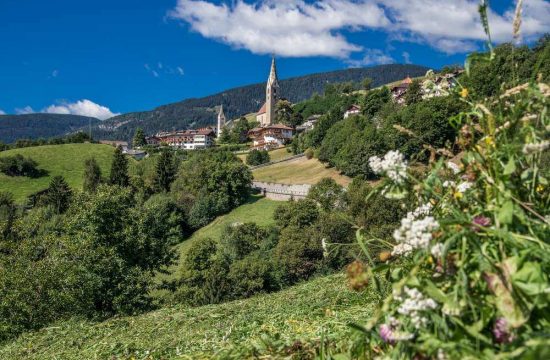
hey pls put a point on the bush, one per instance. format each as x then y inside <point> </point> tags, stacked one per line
<point>301,213</point>
<point>299,253</point>
<point>18,165</point>
<point>327,193</point>
<point>309,153</point>
<point>239,240</point>
<point>257,157</point>
<point>252,275</point>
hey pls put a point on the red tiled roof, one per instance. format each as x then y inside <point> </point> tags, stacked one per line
<point>262,109</point>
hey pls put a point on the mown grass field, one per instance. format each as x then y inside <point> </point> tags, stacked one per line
<point>274,155</point>
<point>299,171</point>
<point>66,160</point>
<point>290,322</point>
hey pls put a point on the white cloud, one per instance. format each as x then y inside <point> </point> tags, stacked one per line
<point>289,28</point>
<point>179,69</point>
<point>25,110</point>
<point>296,28</point>
<point>2,112</point>
<point>372,57</point>
<point>406,57</point>
<point>82,107</point>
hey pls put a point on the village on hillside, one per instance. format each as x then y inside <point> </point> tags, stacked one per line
<point>269,133</point>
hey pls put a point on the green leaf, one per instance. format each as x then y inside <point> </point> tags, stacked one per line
<point>506,212</point>
<point>510,168</point>
<point>531,280</point>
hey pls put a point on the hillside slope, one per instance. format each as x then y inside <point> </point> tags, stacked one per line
<point>283,323</point>
<point>243,100</point>
<point>66,160</point>
<point>34,126</point>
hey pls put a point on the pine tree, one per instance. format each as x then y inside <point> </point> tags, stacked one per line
<point>119,169</point>
<point>59,194</point>
<point>139,138</point>
<point>225,136</point>
<point>165,171</point>
<point>92,175</point>
<point>414,93</point>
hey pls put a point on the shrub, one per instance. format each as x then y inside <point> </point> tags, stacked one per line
<point>252,275</point>
<point>239,240</point>
<point>309,153</point>
<point>327,193</point>
<point>299,254</point>
<point>18,165</point>
<point>257,157</point>
<point>301,213</point>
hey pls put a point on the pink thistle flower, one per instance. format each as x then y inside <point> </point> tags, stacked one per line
<point>480,221</point>
<point>386,333</point>
<point>501,332</point>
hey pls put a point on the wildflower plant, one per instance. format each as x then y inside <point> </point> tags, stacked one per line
<point>469,267</point>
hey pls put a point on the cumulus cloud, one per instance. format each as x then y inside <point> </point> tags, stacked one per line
<point>296,28</point>
<point>82,107</point>
<point>372,57</point>
<point>286,28</point>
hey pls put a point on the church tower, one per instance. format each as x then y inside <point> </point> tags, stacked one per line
<point>221,121</point>
<point>271,95</point>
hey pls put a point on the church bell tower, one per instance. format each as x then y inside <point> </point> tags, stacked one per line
<point>221,121</point>
<point>271,94</point>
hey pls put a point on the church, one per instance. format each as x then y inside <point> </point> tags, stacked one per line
<point>266,115</point>
<point>269,134</point>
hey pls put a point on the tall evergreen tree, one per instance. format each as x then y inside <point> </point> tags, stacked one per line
<point>165,171</point>
<point>139,138</point>
<point>119,169</point>
<point>92,175</point>
<point>414,93</point>
<point>59,194</point>
<point>225,136</point>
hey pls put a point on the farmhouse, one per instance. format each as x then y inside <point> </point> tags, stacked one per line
<point>271,136</point>
<point>352,110</point>
<point>398,92</point>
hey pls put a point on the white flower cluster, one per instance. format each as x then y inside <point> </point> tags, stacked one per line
<point>453,167</point>
<point>463,186</point>
<point>437,250</point>
<point>415,233</point>
<point>536,147</point>
<point>393,165</point>
<point>413,303</point>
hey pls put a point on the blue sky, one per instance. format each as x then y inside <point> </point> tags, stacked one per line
<point>101,57</point>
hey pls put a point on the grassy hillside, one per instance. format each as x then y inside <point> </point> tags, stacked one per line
<point>298,171</point>
<point>66,160</point>
<point>298,317</point>
<point>274,155</point>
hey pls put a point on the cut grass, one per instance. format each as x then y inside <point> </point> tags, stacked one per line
<point>258,327</point>
<point>274,155</point>
<point>66,160</point>
<point>299,171</point>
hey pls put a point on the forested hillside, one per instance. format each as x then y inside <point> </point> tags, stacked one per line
<point>34,126</point>
<point>243,100</point>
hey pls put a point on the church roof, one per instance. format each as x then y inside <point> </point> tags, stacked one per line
<point>262,109</point>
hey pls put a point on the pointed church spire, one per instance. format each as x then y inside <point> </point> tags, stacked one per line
<point>273,73</point>
<point>221,121</point>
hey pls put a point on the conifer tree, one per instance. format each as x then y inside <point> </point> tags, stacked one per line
<point>139,138</point>
<point>165,170</point>
<point>92,175</point>
<point>119,169</point>
<point>225,136</point>
<point>414,93</point>
<point>59,194</point>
